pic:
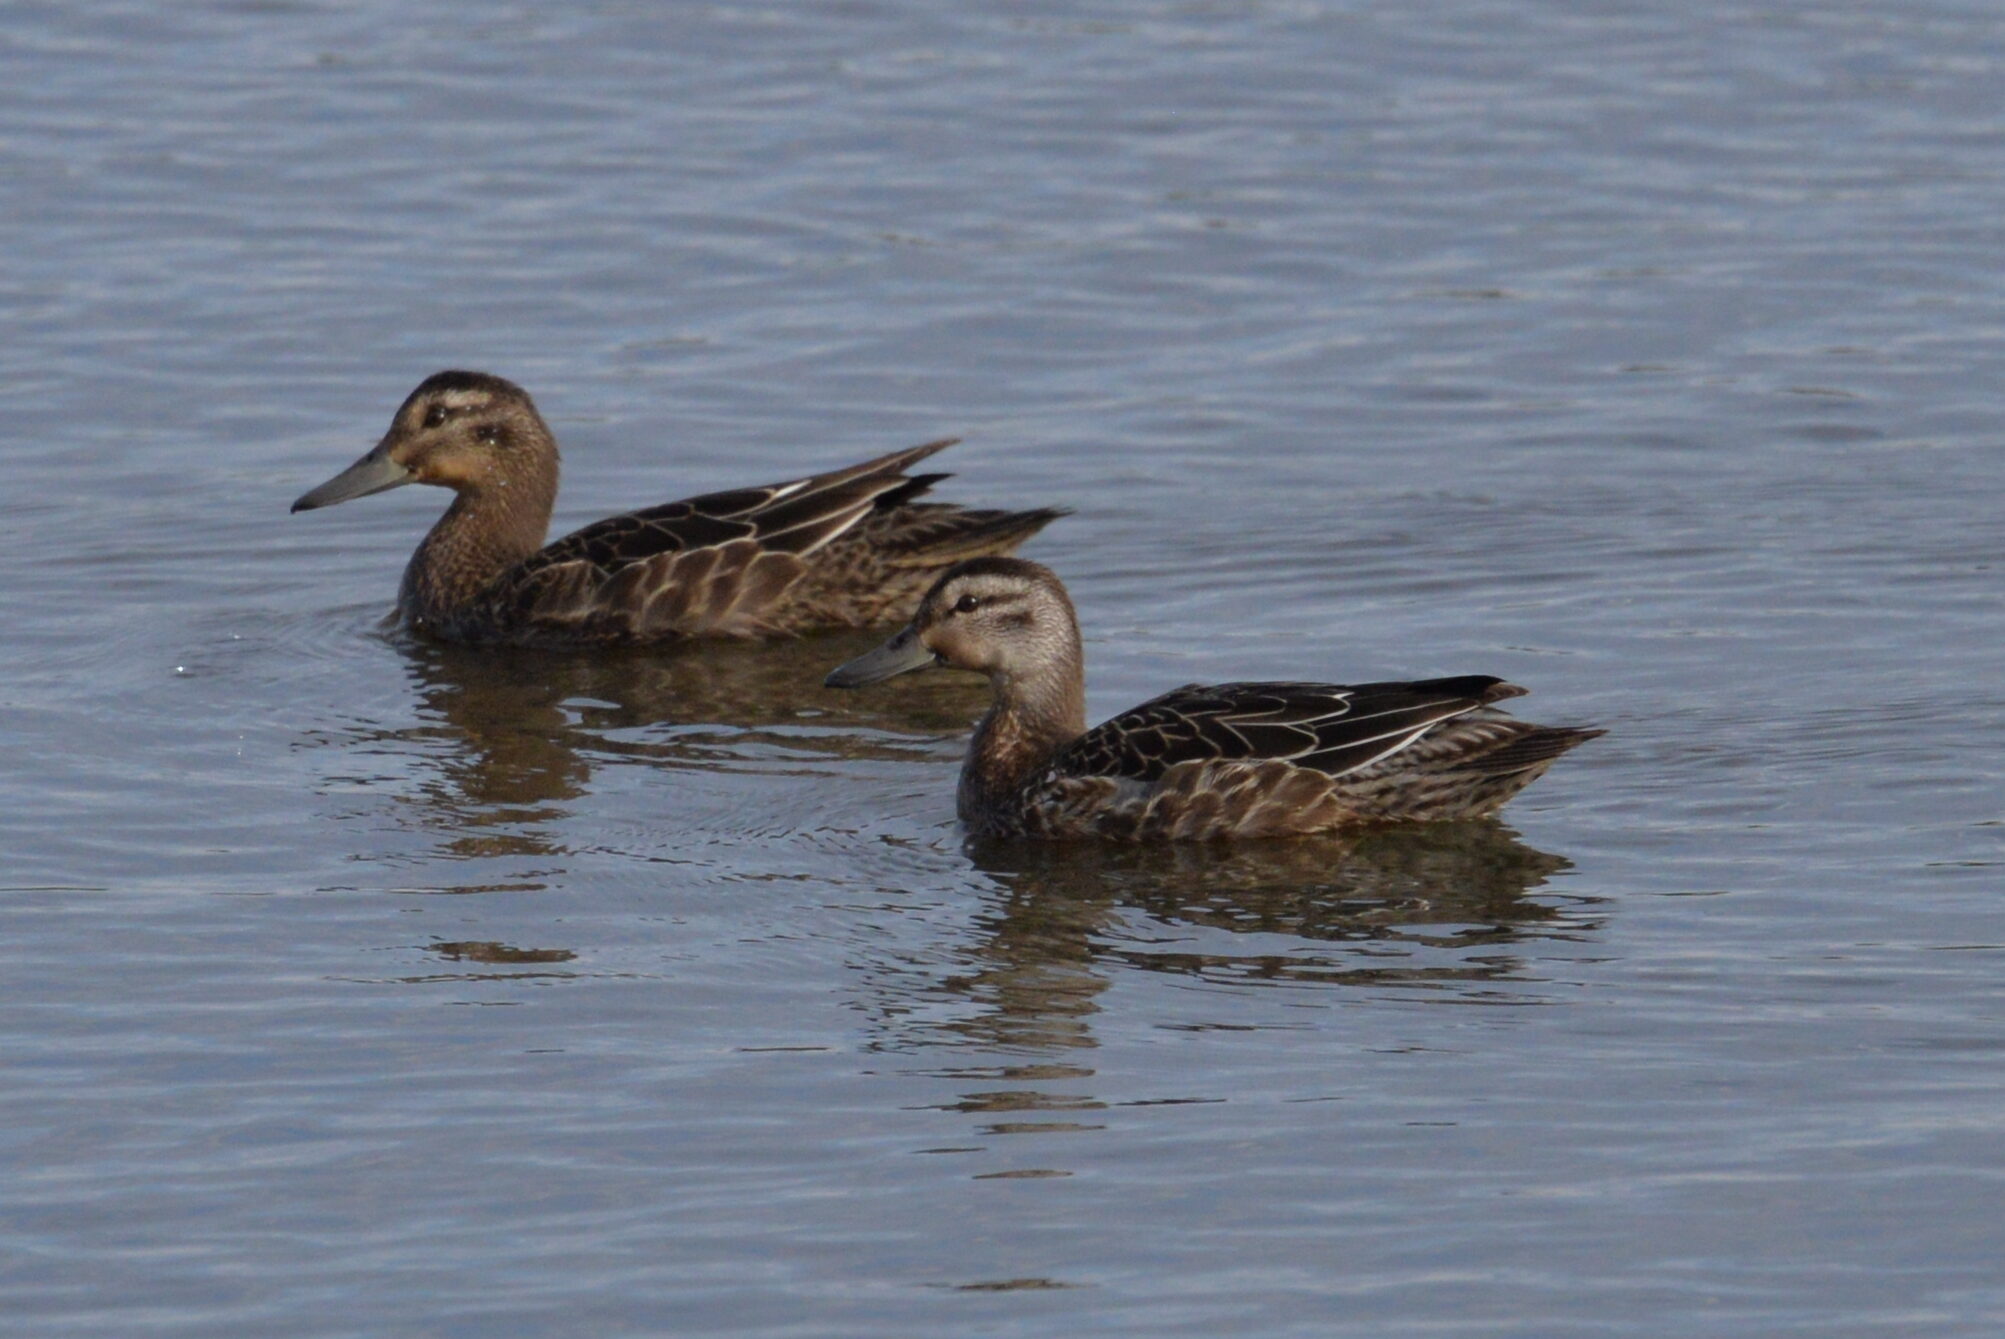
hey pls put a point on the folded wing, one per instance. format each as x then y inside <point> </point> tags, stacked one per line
<point>1333,729</point>
<point>717,564</point>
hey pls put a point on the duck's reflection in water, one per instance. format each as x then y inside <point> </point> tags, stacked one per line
<point>491,960</point>
<point>1436,908</point>
<point>1439,911</point>
<point>495,953</point>
<point>465,960</point>
<point>507,740</point>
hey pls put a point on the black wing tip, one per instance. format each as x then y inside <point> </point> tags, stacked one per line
<point>1023,524</point>
<point>993,535</point>
<point>1482,689</point>
<point>915,487</point>
<point>886,472</point>
<point>900,461</point>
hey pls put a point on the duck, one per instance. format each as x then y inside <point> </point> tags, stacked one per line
<point>850,547</point>
<point>1205,761</point>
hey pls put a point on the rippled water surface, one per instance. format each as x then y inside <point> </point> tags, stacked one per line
<point>1647,355</point>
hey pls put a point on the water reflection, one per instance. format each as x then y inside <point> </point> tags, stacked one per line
<point>1437,908</point>
<point>504,962</point>
<point>501,765</point>
<point>507,741</point>
<point>737,685</point>
<point>497,953</point>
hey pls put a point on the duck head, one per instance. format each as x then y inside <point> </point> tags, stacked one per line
<point>1003,617</point>
<point>467,431</point>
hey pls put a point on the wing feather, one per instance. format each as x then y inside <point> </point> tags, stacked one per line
<point>1327,728</point>
<point>710,564</point>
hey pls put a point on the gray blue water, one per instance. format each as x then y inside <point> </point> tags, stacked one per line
<point>1649,356</point>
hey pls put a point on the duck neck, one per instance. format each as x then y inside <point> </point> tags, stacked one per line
<point>1034,716</point>
<point>487,530</point>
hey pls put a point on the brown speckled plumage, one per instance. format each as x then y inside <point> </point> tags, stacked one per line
<point>1202,761</point>
<point>846,548</point>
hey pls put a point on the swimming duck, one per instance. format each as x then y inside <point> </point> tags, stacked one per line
<point>1201,761</point>
<point>842,549</point>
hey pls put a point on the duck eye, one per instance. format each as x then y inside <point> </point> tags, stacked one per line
<point>435,416</point>
<point>967,604</point>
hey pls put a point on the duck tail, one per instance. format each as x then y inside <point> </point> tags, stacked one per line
<point>1536,748</point>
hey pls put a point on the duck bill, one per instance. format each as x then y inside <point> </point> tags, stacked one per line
<point>903,652</point>
<point>373,473</point>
